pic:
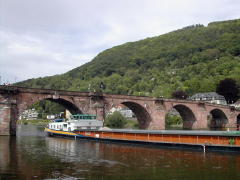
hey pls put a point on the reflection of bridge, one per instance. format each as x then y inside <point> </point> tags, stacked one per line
<point>149,111</point>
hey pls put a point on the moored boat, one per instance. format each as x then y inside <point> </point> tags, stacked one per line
<point>87,126</point>
<point>76,122</point>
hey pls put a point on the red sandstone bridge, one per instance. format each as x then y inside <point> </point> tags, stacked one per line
<point>150,112</point>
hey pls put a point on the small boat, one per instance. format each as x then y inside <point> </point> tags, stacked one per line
<point>88,127</point>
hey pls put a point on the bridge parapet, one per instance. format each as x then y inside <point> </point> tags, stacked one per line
<point>5,88</point>
<point>96,95</point>
<point>8,90</point>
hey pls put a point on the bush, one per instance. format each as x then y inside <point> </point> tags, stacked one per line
<point>173,120</point>
<point>116,120</point>
<point>132,124</point>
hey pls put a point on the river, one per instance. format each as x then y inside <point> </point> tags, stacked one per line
<point>32,155</point>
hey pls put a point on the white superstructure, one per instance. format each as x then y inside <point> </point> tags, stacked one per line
<point>79,121</point>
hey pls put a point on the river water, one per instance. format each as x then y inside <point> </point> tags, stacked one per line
<point>32,155</point>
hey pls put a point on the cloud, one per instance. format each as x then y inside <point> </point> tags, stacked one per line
<point>47,37</point>
<point>27,56</point>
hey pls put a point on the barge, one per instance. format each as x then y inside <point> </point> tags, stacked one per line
<point>87,127</point>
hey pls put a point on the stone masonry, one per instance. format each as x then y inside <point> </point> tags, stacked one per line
<point>150,112</point>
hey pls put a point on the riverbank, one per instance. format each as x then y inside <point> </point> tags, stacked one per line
<point>130,124</point>
<point>34,122</point>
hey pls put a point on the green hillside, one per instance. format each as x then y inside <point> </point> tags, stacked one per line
<point>193,59</point>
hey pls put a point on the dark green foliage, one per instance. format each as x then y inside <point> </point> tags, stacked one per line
<point>193,59</point>
<point>46,107</point>
<point>228,88</point>
<point>179,94</point>
<point>173,120</point>
<point>34,122</point>
<point>115,120</point>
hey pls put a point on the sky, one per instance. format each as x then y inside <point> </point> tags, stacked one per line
<point>47,37</point>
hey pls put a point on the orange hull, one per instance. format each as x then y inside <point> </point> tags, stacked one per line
<point>210,140</point>
<point>227,139</point>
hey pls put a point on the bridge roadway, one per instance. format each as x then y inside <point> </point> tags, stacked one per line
<point>150,112</point>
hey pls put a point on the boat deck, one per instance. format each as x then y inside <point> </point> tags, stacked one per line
<point>173,132</point>
<point>169,136</point>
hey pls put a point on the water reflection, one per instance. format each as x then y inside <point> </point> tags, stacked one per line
<point>31,155</point>
<point>69,150</point>
<point>4,152</point>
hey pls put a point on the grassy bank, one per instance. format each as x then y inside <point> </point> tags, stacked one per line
<point>34,122</point>
<point>131,124</point>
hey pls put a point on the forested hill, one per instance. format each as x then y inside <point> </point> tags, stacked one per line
<point>192,59</point>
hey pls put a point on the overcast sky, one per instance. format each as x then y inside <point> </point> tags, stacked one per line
<point>46,37</point>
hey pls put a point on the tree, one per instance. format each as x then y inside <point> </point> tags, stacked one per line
<point>179,94</point>
<point>173,120</point>
<point>229,89</point>
<point>116,120</point>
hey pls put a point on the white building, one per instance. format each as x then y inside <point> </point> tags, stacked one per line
<point>29,114</point>
<point>126,112</point>
<point>211,97</point>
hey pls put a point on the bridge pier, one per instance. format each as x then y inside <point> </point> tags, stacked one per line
<point>232,122</point>
<point>8,118</point>
<point>99,112</point>
<point>201,120</point>
<point>158,120</point>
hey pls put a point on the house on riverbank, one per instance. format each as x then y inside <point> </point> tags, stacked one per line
<point>211,97</point>
<point>29,114</point>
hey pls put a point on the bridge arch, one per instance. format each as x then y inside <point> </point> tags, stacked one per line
<point>187,115</point>
<point>61,101</point>
<point>67,105</point>
<point>142,115</point>
<point>217,119</point>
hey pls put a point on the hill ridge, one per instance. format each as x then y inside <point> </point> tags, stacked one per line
<point>193,59</point>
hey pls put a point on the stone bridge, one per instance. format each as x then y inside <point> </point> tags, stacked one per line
<point>150,112</point>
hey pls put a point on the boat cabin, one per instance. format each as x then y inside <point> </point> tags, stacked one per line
<point>77,122</point>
